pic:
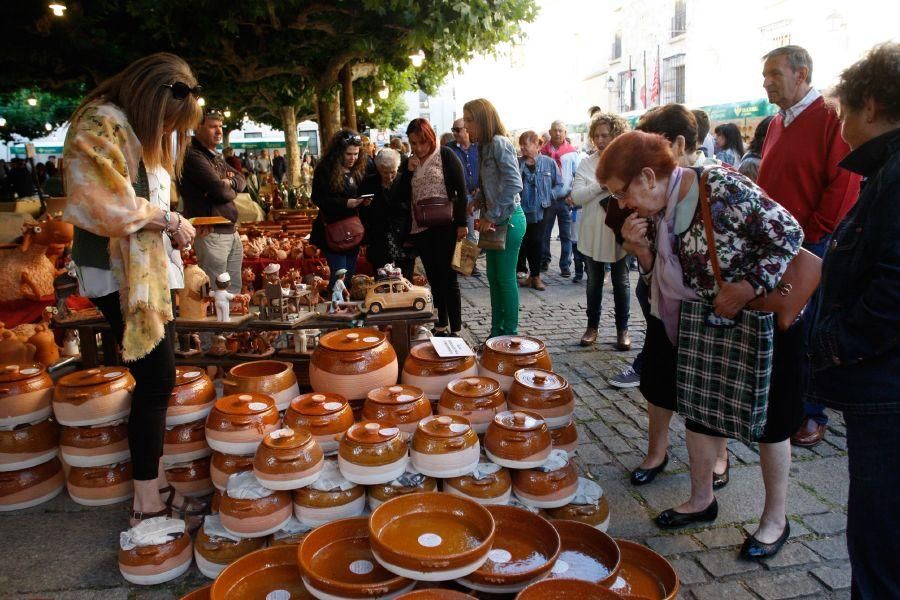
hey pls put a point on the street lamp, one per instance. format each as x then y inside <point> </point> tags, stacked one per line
<point>371,106</point>
<point>32,101</point>
<point>58,8</point>
<point>48,126</point>
<point>385,91</point>
<point>227,114</point>
<point>417,59</point>
<point>2,122</point>
<point>201,101</point>
<point>610,84</point>
<point>359,101</point>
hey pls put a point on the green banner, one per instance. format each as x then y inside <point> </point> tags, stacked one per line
<point>740,110</point>
<point>19,149</point>
<point>261,144</point>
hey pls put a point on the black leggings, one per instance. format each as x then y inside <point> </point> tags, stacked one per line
<point>435,247</point>
<point>154,377</point>
<point>531,249</point>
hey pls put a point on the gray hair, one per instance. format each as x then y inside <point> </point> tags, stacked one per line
<point>797,57</point>
<point>558,123</point>
<point>387,158</point>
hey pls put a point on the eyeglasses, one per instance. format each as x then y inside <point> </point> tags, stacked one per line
<point>456,129</point>
<point>348,137</point>
<point>180,90</point>
<point>620,195</point>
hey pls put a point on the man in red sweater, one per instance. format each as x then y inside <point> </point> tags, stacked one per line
<point>557,147</point>
<point>799,170</point>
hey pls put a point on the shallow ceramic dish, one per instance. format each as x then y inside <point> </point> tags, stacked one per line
<point>545,393</point>
<point>336,562</point>
<point>238,423</point>
<point>288,459</point>
<point>26,391</point>
<point>256,517</point>
<point>207,221</point>
<point>503,355</point>
<point>184,443</point>
<point>267,573</point>
<point>271,377</point>
<point>350,362</point>
<point>213,553</point>
<point>408,483</point>
<point>223,466</point>
<point>565,438</point>
<point>192,398</point>
<point>28,445</point>
<point>524,550</point>
<point>402,406</point>
<point>491,484</point>
<point>434,594</point>
<point>198,594</point>
<point>32,486</point>
<point>589,507</point>
<point>93,396</point>
<point>326,416</point>
<point>644,573</point>
<point>445,446</point>
<point>159,563</point>
<point>586,554</point>
<point>431,537</point>
<point>191,479</point>
<point>566,589</point>
<point>550,486</point>
<point>477,399</point>
<point>96,445</point>
<point>316,507</point>
<point>100,486</point>
<point>518,440</point>
<point>430,372</point>
<point>371,453</point>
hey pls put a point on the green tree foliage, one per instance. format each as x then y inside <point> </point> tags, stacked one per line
<point>30,121</point>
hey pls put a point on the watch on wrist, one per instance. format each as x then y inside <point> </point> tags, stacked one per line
<point>758,290</point>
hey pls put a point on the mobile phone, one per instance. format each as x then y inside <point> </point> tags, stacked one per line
<point>367,196</point>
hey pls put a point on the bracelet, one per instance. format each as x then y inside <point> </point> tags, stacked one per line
<point>167,216</point>
<point>177,227</point>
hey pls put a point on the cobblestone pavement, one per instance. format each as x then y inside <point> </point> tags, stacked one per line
<point>65,551</point>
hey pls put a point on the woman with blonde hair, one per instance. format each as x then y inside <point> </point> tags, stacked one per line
<point>120,159</point>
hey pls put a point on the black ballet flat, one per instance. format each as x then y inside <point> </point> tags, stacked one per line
<point>644,476</point>
<point>720,481</point>
<point>753,549</point>
<point>672,519</point>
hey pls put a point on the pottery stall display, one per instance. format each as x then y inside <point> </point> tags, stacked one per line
<point>371,453</point>
<point>503,355</point>
<point>445,446</point>
<point>28,445</point>
<point>191,479</point>
<point>272,377</point>
<point>411,482</point>
<point>567,589</point>
<point>430,372</point>
<point>551,485</point>
<point>288,459</point>
<point>239,422</point>
<point>326,416</point>
<point>401,406</point>
<point>525,548</point>
<point>644,573</point>
<point>477,399</point>
<point>431,537</point>
<point>487,484</point>
<point>26,391</point>
<point>248,509</point>
<point>267,573</point>
<point>337,564</point>
<point>586,554</point>
<point>223,466</point>
<point>192,398</point>
<point>95,445</point>
<point>329,497</point>
<point>154,551</point>
<point>565,438</point>
<point>215,548</point>
<point>93,396</point>
<point>32,486</point>
<point>100,486</point>
<point>589,506</point>
<point>184,443</point>
<point>292,533</point>
<point>518,440</point>
<point>545,393</point>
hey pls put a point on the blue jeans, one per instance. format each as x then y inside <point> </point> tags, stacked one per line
<point>341,261</point>
<point>560,212</point>
<point>596,272</point>
<point>814,410</point>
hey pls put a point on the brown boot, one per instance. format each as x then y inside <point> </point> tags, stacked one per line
<point>537,284</point>
<point>623,340</point>
<point>524,281</point>
<point>589,337</point>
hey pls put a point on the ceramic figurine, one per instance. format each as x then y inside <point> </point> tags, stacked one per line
<point>192,299</point>
<point>339,292</point>
<point>71,346</point>
<point>359,285</point>
<point>46,350</point>
<point>248,277</point>
<point>223,298</point>
<point>218,347</point>
<point>13,349</point>
<point>240,304</point>
<point>188,344</point>
<point>64,285</point>
<point>396,293</point>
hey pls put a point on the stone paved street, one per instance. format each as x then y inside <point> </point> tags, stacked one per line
<point>62,550</point>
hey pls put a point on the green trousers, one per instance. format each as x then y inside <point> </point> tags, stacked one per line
<point>501,273</point>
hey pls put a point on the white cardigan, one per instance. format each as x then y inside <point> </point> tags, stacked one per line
<point>595,239</point>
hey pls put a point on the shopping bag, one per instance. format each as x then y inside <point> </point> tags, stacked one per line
<point>464,256</point>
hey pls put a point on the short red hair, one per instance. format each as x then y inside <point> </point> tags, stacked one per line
<point>631,152</point>
<point>423,128</point>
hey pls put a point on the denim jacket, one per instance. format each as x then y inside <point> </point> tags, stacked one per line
<point>540,187</point>
<point>855,333</point>
<point>501,183</point>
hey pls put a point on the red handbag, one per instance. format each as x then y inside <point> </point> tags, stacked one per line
<point>431,212</point>
<point>344,235</point>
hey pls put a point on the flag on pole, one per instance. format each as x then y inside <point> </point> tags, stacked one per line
<point>654,87</point>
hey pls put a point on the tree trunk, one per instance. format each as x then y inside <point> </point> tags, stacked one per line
<point>226,135</point>
<point>291,145</point>
<point>329,119</point>
<point>347,97</point>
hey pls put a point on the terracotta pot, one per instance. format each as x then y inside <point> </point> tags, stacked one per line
<point>546,489</point>
<point>544,393</point>
<point>595,514</point>
<point>316,507</point>
<point>99,486</point>
<point>256,517</point>
<point>371,453</point>
<point>191,479</point>
<point>28,445</point>
<point>271,377</point>
<point>431,537</point>
<point>215,502</point>
<point>223,466</point>
<point>524,550</point>
<point>336,562</point>
<point>30,487</point>
<point>95,446</point>
<point>566,589</point>
<point>152,565</point>
<point>477,399</point>
<point>259,574</point>
<point>326,416</point>
<point>493,488</point>
<point>238,423</point>
<point>644,573</point>
<point>193,397</point>
<point>184,443</point>
<point>214,553</point>
<point>517,440</point>
<point>425,369</point>
<point>350,362</point>
<point>25,394</point>
<point>504,355</point>
<point>291,534</point>
<point>435,594</point>
<point>402,406</point>
<point>445,446</point>
<point>93,396</point>
<point>565,438</point>
<point>288,459</point>
<point>379,494</point>
<point>586,554</point>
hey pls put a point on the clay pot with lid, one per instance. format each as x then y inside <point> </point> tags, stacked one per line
<point>371,453</point>
<point>255,517</point>
<point>93,396</point>
<point>326,416</point>
<point>350,362</point>
<point>28,445</point>
<point>477,399</point>
<point>330,497</point>
<point>272,377</point>
<point>417,484</point>
<point>192,398</point>
<point>427,370</point>
<point>157,563</point>
<point>213,552</point>
<point>445,446</point>
<point>222,466</point>
<point>565,438</point>
<point>26,391</point>
<point>545,393</point>
<point>100,486</point>
<point>402,406</point>
<point>184,443</point>
<point>518,440</point>
<point>546,488</point>
<point>238,423</point>
<point>591,509</point>
<point>492,486</point>
<point>32,486</point>
<point>288,459</point>
<point>191,479</point>
<point>96,445</point>
<point>503,355</point>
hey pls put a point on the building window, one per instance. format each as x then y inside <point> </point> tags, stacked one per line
<point>423,100</point>
<point>679,21</point>
<point>623,87</point>
<point>617,46</point>
<point>673,79</point>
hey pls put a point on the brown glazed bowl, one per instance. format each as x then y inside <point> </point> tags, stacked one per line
<point>260,573</point>
<point>445,446</point>
<point>400,405</point>
<point>192,398</point>
<point>26,391</point>
<point>586,554</point>
<point>215,553</point>
<point>432,537</point>
<point>496,488</point>
<point>184,443</point>
<point>325,415</point>
<point>544,393</point>
<point>371,453</point>
<point>238,423</point>
<point>566,589</point>
<point>223,466</point>
<point>336,561</point>
<point>288,459</point>
<point>255,517</point>
<point>427,370</point>
<point>644,573</point>
<point>350,362</point>
<point>505,354</point>
<point>191,479</point>
<point>518,440</point>
<point>477,399</point>
<point>99,486</point>
<point>525,548</point>
<point>271,377</point>
<point>93,396</point>
<point>565,438</point>
<point>152,565</point>
<point>95,446</point>
<point>435,594</point>
<point>379,494</point>
<point>28,445</point>
<point>546,489</point>
<point>30,487</point>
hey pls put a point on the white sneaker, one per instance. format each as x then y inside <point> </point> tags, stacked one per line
<point>628,378</point>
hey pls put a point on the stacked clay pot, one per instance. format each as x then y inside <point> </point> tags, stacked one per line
<point>28,445</point>
<point>428,371</point>
<point>271,377</point>
<point>372,453</point>
<point>545,393</point>
<point>26,391</point>
<point>100,486</point>
<point>239,422</point>
<point>93,396</point>
<point>565,438</point>
<point>291,534</point>
<point>552,485</point>
<point>222,466</point>
<point>288,459</point>
<point>411,482</point>
<point>518,440</point>
<point>330,497</point>
<point>155,551</point>
<point>32,486</point>
<point>477,399</point>
<point>488,484</point>
<point>215,548</point>
<point>192,398</point>
<point>402,406</point>
<point>589,506</point>
<point>95,445</point>
<point>184,443</point>
<point>445,446</point>
<point>248,509</point>
<point>326,416</point>
<point>503,355</point>
<point>191,479</point>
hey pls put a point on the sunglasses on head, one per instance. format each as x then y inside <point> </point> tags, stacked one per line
<point>180,90</point>
<point>348,137</point>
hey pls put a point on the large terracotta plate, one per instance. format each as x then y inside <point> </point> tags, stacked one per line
<point>260,573</point>
<point>644,573</point>
<point>207,221</point>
